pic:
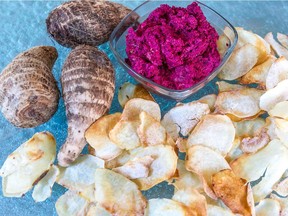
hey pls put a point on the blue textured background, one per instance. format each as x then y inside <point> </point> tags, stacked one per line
<point>23,26</point>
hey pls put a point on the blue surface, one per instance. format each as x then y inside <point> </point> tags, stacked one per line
<point>23,26</point>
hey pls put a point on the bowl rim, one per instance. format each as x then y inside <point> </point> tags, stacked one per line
<point>197,86</point>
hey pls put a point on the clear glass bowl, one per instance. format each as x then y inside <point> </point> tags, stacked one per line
<point>138,15</point>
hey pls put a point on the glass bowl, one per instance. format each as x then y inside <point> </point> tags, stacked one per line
<point>138,15</point>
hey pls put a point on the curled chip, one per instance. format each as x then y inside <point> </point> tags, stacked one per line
<point>259,73</point>
<point>268,207</point>
<point>249,128</point>
<point>43,188</point>
<point>281,130</point>
<point>117,194</point>
<point>225,86</point>
<point>129,91</point>
<point>280,50</point>
<point>118,161</point>
<point>242,104</point>
<point>283,39</point>
<point>162,168</point>
<point>183,118</point>
<point>96,210</point>
<point>213,210</point>
<point>280,110</point>
<point>150,131</point>
<point>233,191</point>
<point>71,204</point>
<point>97,135</point>
<point>252,145</point>
<point>205,162</point>
<point>28,164</point>
<point>186,179</point>
<point>283,204</point>
<point>192,199</point>
<point>272,159</point>
<point>277,72</point>
<point>79,176</point>
<point>235,151</point>
<point>241,61</point>
<point>214,131</point>
<point>282,188</point>
<point>223,44</point>
<point>167,207</point>
<point>210,100</point>
<point>275,95</point>
<point>136,168</point>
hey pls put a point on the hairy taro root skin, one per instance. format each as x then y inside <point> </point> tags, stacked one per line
<point>84,22</point>
<point>28,90</point>
<point>88,84</point>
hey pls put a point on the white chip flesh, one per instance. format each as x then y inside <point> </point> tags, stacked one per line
<point>205,162</point>
<point>268,158</point>
<point>268,207</point>
<point>157,207</point>
<point>117,194</point>
<point>71,204</point>
<point>282,188</point>
<point>283,39</point>
<point>126,92</point>
<point>213,210</point>
<point>275,95</point>
<point>253,144</point>
<point>29,162</point>
<point>136,168</point>
<point>183,118</point>
<point>280,50</point>
<point>277,72</point>
<point>214,131</point>
<point>43,188</point>
<point>210,100</point>
<point>283,204</point>
<point>249,128</point>
<point>79,176</point>
<point>225,86</point>
<point>280,110</point>
<point>281,130</point>
<point>96,210</point>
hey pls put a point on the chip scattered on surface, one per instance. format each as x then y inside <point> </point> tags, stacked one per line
<point>283,39</point>
<point>214,131</point>
<point>278,48</point>
<point>268,207</point>
<point>117,194</point>
<point>28,164</point>
<point>183,118</point>
<point>213,210</point>
<point>97,135</point>
<point>43,188</point>
<point>277,72</point>
<point>225,86</point>
<point>282,188</point>
<point>249,128</point>
<point>210,100</point>
<point>280,110</point>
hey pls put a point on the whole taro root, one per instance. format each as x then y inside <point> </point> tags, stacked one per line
<point>28,91</point>
<point>88,84</point>
<point>88,22</point>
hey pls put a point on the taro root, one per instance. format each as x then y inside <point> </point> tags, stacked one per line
<point>28,91</point>
<point>88,85</point>
<point>84,22</point>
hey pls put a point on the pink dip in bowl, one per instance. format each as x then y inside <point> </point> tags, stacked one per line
<point>174,47</point>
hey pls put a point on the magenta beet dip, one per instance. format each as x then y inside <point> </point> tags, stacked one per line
<point>174,47</point>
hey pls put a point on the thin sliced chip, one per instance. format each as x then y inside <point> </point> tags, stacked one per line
<point>162,168</point>
<point>96,210</point>
<point>209,130</point>
<point>135,106</point>
<point>280,110</point>
<point>150,131</point>
<point>186,179</point>
<point>223,43</point>
<point>283,39</point>
<point>124,135</point>
<point>277,72</point>
<point>167,207</point>
<point>43,188</point>
<point>232,190</point>
<point>249,128</point>
<point>117,194</point>
<point>28,164</point>
<point>282,188</point>
<point>192,199</point>
<point>210,100</point>
<point>280,50</point>
<point>79,176</point>
<point>241,61</point>
<point>235,151</point>
<point>271,127</point>
<point>71,204</point>
<point>281,130</point>
<point>118,161</point>
<point>283,204</point>
<point>252,145</point>
<point>243,103</point>
<point>213,210</point>
<point>183,118</point>
<point>129,91</point>
<point>205,162</point>
<point>268,157</point>
<point>97,135</point>
<point>268,207</point>
<point>181,144</point>
<point>259,73</point>
<point>136,168</point>
<point>225,86</point>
